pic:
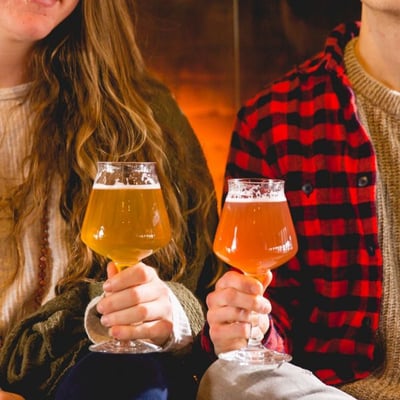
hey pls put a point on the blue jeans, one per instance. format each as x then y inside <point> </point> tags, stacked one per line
<point>155,376</point>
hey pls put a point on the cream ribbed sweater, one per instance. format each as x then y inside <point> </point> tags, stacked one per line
<point>379,111</point>
<point>17,297</point>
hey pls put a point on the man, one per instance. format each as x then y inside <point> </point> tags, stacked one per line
<point>330,129</point>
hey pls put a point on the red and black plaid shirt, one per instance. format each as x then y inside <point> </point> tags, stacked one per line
<point>304,128</point>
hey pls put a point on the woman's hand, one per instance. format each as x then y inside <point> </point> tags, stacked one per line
<point>10,396</point>
<point>229,308</point>
<point>136,304</point>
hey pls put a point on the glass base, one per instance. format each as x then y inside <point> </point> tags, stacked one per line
<point>125,347</point>
<point>256,356</point>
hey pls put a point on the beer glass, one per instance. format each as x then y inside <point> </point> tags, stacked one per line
<point>255,234</point>
<point>126,221</point>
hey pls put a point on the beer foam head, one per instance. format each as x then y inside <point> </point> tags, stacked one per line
<point>264,199</point>
<point>119,186</point>
<point>251,190</point>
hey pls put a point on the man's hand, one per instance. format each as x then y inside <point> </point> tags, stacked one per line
<point>229,309</point>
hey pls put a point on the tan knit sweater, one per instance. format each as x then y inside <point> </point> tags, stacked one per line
<point>379,111</point>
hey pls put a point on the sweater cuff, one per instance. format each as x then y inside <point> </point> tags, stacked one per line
<point>181,335</point>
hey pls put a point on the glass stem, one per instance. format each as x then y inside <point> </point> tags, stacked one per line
<point>256,335</point>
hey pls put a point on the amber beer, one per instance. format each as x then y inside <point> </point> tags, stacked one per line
<point>255,235</point>
<point>126,223</point>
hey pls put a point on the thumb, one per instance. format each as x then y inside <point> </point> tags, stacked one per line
<point>111,270</point>
<point>267,279</point>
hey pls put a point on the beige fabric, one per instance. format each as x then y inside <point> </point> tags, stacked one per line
<point>379,110</point>
<point>288,382</point>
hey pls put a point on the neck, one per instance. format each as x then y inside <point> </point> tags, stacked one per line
<point>13,62</point>
<point>377,47</point>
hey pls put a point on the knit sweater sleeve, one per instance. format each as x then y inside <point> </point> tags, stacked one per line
<point>190,305</point>
<point>38,351</point>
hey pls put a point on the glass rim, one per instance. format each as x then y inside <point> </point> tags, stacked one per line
<point>255,188</point>
<point>125,162</point>
<point>255,180</point>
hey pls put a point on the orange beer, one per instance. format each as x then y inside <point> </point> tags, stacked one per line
<point>255,234</point>
<point>126,223</point>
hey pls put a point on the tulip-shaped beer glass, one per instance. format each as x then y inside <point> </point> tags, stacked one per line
<point>126,221</point>
<point>255,234</point>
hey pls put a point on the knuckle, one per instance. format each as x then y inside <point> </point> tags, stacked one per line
<point>133,294</point>
<point>231,295</point>
<point>210,299</point>
<point>142,312</point>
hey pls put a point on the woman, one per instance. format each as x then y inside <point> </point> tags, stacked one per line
<point>74,90</point>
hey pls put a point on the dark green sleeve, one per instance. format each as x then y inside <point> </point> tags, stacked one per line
<point>38,351</point>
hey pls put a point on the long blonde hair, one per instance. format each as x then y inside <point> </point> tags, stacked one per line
<point>89,98</point>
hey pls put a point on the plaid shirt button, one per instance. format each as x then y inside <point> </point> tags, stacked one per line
<point>371,250</point>
<point>366,323</point>
<point>307,188</point>
<point>362,181</point>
